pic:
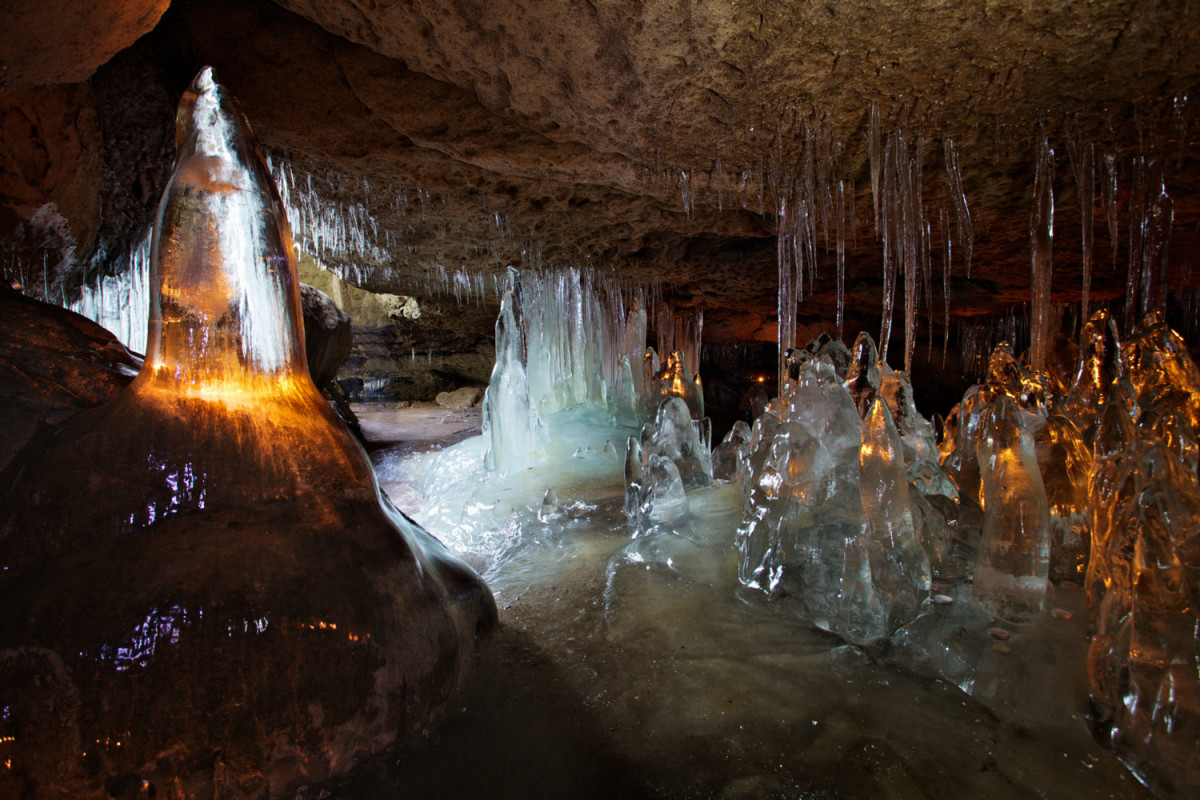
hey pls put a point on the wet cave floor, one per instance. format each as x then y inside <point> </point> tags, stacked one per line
<point>633,683</point>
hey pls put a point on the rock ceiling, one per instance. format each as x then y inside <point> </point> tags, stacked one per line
<point>650,138</point>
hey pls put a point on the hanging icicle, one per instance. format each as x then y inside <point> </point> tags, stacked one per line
<point>1041,241</point>
<point>966,236</point>
<point>1082,156</point>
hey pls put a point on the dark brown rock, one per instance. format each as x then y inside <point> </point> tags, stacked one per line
<point>53,363</point>
<point>203,590</point>
<point>327,334</point>
<point>64,41</point>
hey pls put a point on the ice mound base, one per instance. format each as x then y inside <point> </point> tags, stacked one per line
<point>203,591</point>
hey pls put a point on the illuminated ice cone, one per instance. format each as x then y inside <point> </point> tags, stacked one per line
<point>202,587</point>
<point>899,566</point>
<point>1014,546</point>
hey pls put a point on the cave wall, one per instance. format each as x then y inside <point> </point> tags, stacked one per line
<point>653,139</point>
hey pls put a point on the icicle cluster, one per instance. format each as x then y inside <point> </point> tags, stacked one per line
<point>563,338</point>
<point>121,302</point>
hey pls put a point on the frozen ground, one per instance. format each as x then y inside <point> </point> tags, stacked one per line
<point>640,668</point>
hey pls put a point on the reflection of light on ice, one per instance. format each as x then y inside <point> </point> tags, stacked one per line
<point>488,517</point>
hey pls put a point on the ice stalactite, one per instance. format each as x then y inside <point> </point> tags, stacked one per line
<point>876,156</point>
<point>841,214</point>
<point>788,278</point>
<point>1157,221</point>
<point>681,329</point>
<point>1041,243</point>
<point>887,215</point>
<point>913,233</point>
<point>340,232</point>
<point>510,421</point>
<point>1082,155</point>
<point>943,228</point>
<point>121,302</point>
<point>1139,190</point>
<point>564,339</point>
<point>966,234</point>
<point>905,234</point>
<point>1111,180</point>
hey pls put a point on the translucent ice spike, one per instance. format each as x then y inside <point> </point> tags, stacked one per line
<point>966,236</point>
<point>1014,546</point>
<point>863,378</point>
<point>900,568</point>
<point>1100,366</point>
<point>514,428</point>
<point>1083,156</point>
<point>223,300</point>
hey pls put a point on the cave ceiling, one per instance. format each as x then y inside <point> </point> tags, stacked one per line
<point>649,139</point>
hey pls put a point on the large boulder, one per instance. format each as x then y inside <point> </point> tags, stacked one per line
<point>327,334</point>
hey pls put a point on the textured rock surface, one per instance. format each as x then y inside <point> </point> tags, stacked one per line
<point>651,138</point>
<point>465,397</point>
<point>53,363</point>
<point>66,40</point>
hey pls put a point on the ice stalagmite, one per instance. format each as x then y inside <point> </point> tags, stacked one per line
<point>899,566</point>
<point>202,574</point>
<point>863,378</point>
<point>1101,368</point>
<point>1014,546</point>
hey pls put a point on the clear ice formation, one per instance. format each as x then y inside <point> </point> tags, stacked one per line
<point>828,518</point>
<point>214,535</point>
<point>511,423</point>
<point>672,455</point>
<point>1142,584</point>
<point>933,553</point>
<point>568,338</point>
<point>1013,564</point>
<point>1036,477</point>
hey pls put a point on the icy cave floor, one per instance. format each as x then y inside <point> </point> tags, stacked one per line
<point>610,678</point>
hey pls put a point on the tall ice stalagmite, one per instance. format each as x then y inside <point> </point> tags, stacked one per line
<point>202,587</point>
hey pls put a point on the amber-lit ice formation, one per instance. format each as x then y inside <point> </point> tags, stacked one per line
<point>1143,579</point>
<point>201,584</point>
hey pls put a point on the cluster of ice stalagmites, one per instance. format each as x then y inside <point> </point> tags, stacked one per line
<point>1143,576</point>
<point>829,517</point>
<point>202,591</point>
<point>852,515</point>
